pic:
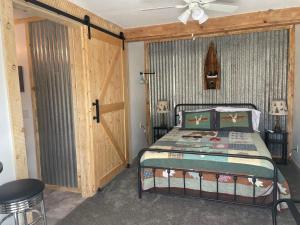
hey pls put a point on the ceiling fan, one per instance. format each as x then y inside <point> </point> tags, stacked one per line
<point>196,9</point>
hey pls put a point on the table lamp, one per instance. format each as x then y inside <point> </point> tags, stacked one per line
<point>278,108</point>
<point>163,109</point>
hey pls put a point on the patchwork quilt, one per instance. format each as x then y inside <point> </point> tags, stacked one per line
<point>205,182</point>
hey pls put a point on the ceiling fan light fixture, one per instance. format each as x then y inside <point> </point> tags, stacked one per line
<point>185,16</point>
<point>203,19</point>
<point>197,13</point>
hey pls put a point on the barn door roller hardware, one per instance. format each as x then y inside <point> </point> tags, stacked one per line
<point>86,20</point>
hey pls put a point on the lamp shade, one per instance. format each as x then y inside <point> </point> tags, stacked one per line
<point>162,107</point>
<point>278,108</point>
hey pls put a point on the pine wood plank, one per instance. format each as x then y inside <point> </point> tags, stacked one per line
<point>219,25</point>
<point>11,74</point>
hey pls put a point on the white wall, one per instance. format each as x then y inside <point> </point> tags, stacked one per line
<point>296,155</point>
<point>6,147</point>
<point>22,58</point>
<point>137,97</point>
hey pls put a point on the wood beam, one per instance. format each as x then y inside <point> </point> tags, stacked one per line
<point>28,20</point>
<point>12,80</point>
<point>111,107</point>
<point>220,25</point>
<point>291,89</point>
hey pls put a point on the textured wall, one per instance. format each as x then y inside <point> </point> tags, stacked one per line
<point>51,70</point>
<point>136,97</point>
<point>22,59</point>
<point>254,70</point>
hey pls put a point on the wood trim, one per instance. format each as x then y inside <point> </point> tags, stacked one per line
<point>114,172</point>
<point>78,100</point>
<point>126,102</point>
<point>111,107</point>
<point>14,96</point>
<point>291,88</point>
<point>34,105</point>
<point>221,25</point>
<point>226,33</point>
<point>62,189</point>
<point>106,38</point>
<point>86,163</point>
<point>112,139</point>
<point>147,97</point>
<point>28,20</point>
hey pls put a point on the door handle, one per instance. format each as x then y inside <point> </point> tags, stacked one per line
<point>97,116</point>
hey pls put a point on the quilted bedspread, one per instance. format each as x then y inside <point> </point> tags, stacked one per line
<point>219,142</point>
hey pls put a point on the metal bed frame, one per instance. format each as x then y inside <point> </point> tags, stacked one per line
<point>217,174</point>
<point>292,207</point>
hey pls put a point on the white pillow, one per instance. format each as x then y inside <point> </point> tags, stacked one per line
<point>255,114</point>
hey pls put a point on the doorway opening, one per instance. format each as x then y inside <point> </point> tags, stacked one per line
<point>44,67</point>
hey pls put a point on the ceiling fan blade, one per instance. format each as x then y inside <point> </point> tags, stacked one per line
<point>206,1</point>
<point>157,8</point>
<point>181,6</point>
<point>220,7</point>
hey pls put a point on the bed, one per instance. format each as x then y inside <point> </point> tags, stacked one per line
<point>220,165</point>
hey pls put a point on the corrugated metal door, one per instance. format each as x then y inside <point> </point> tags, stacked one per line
<point>52,78</point>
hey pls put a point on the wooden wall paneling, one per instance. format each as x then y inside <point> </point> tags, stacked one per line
<point>33,101</point>
<point>291,89</point>
<point>147,97</point>
<point>221,25</point>
<point>11,74</point>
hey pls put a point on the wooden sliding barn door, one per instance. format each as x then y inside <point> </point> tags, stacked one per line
<point>107,85</point>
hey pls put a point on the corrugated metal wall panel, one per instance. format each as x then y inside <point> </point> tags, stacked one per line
<point>254,69</point>
<point>52,77</point>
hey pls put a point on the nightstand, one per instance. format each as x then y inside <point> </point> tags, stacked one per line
<point>276,140</point>
<point>158,132</point>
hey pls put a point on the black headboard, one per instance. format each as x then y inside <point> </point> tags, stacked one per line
<point>209,105</point>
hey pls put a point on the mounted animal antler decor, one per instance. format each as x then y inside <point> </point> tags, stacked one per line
<point>212,79</point>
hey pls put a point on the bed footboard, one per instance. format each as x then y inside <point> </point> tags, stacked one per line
<point>217,174</point>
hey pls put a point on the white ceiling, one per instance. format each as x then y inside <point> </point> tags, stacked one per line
<point>126,13</point>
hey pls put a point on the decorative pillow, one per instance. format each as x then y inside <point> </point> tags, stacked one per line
<point>255,114</point>
<point>203,120</point>
<point>180,113</point>
<point>234,121</point>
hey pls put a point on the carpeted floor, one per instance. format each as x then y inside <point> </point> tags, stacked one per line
<point>118,204</point>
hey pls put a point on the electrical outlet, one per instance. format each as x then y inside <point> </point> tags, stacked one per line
<point>296,148</point>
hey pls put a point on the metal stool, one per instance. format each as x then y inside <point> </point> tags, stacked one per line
<point>20,197</point>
